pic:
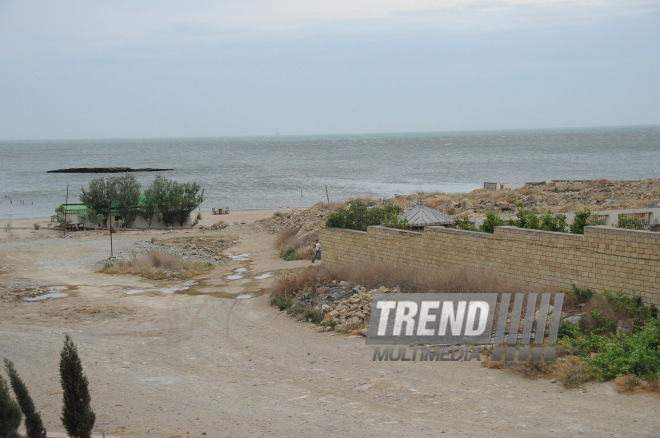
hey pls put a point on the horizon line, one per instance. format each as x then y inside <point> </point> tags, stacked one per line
<point>278,134</point>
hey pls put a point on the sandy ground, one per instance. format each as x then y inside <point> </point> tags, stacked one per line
<point>218,361</point>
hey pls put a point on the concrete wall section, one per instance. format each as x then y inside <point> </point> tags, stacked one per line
<point>604,258</point>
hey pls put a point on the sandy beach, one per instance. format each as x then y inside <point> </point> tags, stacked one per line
<point>210,357</point>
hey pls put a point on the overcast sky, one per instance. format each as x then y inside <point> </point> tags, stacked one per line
<point>196,68</point>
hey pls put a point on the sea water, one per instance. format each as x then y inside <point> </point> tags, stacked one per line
<point>298,171</point>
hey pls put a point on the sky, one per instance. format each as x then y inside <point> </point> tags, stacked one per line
<point>205,68</point>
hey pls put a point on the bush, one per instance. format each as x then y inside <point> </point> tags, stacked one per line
<point>464,223</point>
<point>289,254</point>
<point>580,295</point>
<point>638,354</point>
<point>630,222</point>
<point>492,221</point>
<point>358,216</point>
<point>582,219</point>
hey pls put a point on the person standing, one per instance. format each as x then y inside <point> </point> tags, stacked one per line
<point>317,251</point>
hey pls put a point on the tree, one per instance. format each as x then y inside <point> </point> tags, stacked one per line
<point>173,201</point>
<point>125,192</point>
<point>77,415</point>
<point>33,424</point>
<point>582,219</point>
<point>358,216</point>
<point>10,413</point>
<point>492,221</point>
<point>97,197</point>
<point>122,191</point>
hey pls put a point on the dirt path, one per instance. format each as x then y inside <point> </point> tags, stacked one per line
<point>218,361</point>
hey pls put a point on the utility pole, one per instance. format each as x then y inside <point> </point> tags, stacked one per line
<point>66,207</point>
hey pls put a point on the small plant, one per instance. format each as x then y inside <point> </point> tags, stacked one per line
<point>36,226</point>
<point>282,303</point>
<point>581,295</point>
<point>288,254</point>
<point>77,415</point>
<point>464,223</point>
<point>313,315</point>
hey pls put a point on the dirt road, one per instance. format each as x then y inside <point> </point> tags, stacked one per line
<point>216,360</point>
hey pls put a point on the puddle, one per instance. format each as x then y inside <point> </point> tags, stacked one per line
<point>240,256</point>
<point>53,292</point>
<point>161,380</point>
<point>234,277</point>
<point>163,290</point>
<point>240,270</point>
<point>244,297</point>
<point>262,276</point>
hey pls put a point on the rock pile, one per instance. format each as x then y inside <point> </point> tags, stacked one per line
<point>311,218</point>
<point>346,308</point>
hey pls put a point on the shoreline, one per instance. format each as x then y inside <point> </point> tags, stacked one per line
<point>242,216</point>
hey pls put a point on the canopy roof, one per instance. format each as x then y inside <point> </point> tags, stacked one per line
<point>421,215</point>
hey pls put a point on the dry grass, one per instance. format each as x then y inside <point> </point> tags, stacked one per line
<point>158,265</point>
<point>574,372</point>
<point>302,243</point>
<point>288,284</point>
<point>375,275</point>
<point>632,384</point>
<point>445,281</point>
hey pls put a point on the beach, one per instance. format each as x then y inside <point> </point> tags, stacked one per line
<point>211,357</point>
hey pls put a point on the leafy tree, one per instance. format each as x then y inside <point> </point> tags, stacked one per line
<point>526,219</point>
<point>172,200</point>
<point>556,222</point>
<point>189,196</point>
<point>77,415</point>
<point>583,219</point>
<point>33,424</point>
<point>492,221</point>
<point>122,191</point>
<point>125,191</point>
<point>97,197</point>
<point>358,216</point>
<point>156,201</point>
<point>10,413</point>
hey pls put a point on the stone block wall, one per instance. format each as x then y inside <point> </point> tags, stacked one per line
<point>604,258</point>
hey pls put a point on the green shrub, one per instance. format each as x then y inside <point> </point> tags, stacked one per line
<point>283,303</point>
<point>630,222</point>
<point>313,315</point>
<point>583,219</point>
<point>289,254</point>
<point>638,354</point>
<point>633,307</point>
<point>581,295</point>
<point>359,216</point>
<point>492,221</point>
<point>464,223</point>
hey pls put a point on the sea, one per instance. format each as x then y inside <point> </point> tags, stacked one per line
<point>298,171</point>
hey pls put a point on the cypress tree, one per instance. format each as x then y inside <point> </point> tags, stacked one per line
<point>33,424</point>
<point>77,415</point>
<point>10,413</point>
